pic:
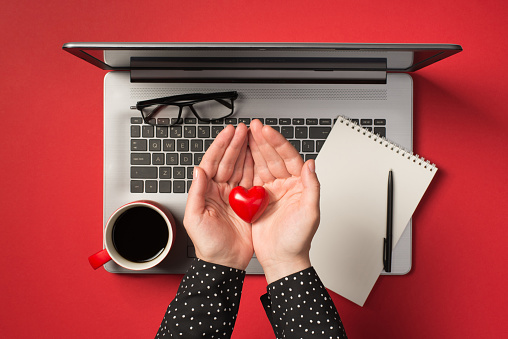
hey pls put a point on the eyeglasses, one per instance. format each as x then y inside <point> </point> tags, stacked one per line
<point>167,111</point>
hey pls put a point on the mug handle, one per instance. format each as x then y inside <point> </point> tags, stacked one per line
<point>98,259</point>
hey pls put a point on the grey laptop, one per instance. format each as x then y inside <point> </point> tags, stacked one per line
<point>298,89</point>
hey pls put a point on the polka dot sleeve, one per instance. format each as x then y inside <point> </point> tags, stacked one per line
<point>299,306</point>
<point>206,303</point>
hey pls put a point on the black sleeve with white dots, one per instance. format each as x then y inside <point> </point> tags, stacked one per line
<point>299,306</point>
<point>206,303</point>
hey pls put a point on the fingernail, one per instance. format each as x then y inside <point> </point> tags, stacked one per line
<point>312,166</point>
<point>194,173</point>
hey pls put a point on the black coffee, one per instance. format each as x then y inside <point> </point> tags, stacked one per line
<point>140,234</point>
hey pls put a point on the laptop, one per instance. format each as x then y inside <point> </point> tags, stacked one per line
<point>298,88</point>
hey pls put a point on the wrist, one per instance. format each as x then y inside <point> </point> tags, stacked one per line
<point>280,269</point>
<point>235,263</point>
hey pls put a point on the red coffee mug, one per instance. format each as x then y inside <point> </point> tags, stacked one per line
<point>137,236</point>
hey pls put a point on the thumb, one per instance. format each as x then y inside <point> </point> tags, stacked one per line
<point>196,198</point>
<point>311,186</point>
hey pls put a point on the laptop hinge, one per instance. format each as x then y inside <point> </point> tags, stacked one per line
<point>259,70</point>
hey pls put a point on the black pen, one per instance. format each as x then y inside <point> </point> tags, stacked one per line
<point>387,258</point>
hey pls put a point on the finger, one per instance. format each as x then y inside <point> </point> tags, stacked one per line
<point>274,162</point>
<point>311,186</point>
<point>293,162</point>
<point>196,199</point>
<point>211,159</point>
<point>260,167</point>
<point>248,170</point>
<point>257,179</point>
<point>238,171</point>
<point>230,157</point>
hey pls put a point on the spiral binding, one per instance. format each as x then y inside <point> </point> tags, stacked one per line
<point>393,147</point>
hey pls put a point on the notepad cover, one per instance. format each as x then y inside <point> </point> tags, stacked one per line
<point>352,167</point>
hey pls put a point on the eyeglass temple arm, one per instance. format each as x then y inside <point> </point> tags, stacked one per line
<point>225,103</point>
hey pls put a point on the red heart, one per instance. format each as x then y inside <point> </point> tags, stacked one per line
<point>249,205</point>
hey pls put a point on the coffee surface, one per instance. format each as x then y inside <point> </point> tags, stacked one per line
<point>140,234</point>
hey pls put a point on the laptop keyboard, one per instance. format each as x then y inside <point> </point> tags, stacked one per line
<point>162,158</point>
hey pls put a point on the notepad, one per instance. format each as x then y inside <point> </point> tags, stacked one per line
<point>352,167</point>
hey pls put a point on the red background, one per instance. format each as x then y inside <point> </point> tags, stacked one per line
<point>51,168</point>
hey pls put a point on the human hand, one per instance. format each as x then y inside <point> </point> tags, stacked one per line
<point>218,234</point>
<point>283,234</point>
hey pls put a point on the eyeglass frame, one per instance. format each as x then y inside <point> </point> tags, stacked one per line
<point>190,99</point>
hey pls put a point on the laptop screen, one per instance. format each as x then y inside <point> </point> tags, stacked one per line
<point>261,56</point>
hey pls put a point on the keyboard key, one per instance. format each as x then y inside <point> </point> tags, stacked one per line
<point>136,120</point>
<point>217,122</point>
<point>308,146</point>
<point>182,145</point>
<point>356,121</point>
<point>298,121</point>
<point>138,145</point>
<point>190,171</point>
<point>365,122</point>
<point>189,132</point>
<point>230,121</point>
<point>246,121</point>
<point>176,121</point>
<point>208,142</point>
<point>155,145</point>
<point>368,128</point>
<point>203,131</point>
<point>168,145</point>
<point>172,159</point>
<point>151,186</point>
<point>380,130</point>
<point>312,121</point>
<point>158,158</point>
<point>190,120</point>
<point>271,121</point>
<point>165,172</point>
<point>301,132</point>
<point>379,122</point>
<point>191,252</point>
<point>137,186</point>
<point>135,131</point>
<point>310,156</point>
<point>179,172</point>
<point>196,145</point>
<point>325,121</point>
<point>197,158</point>
<point>165,186</point>
<point>163,121</point>
<point>296,144</point>
<point>161,132</point>
<point>287,131</point>
<point>185,159</point>
<point>140,158</point>
<point>147,131</point>
<point>144,172</point>
<point>175,132</point>
<point>284,121</point>
<point>179,186</point>
<point>216,130</point>
<point>319,132</point>
<point>319,144</point>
